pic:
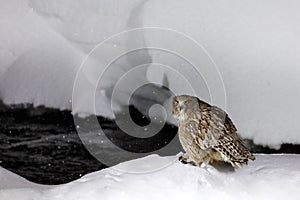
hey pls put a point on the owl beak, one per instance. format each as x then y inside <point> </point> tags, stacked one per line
<point>180,106</point>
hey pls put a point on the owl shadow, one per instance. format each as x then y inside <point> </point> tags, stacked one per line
<point>218,165</point>
<point>223,167</point>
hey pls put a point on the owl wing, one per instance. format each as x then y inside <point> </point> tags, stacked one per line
<point>216,131</point>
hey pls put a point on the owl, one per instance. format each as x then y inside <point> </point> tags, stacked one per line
<point>207,134</point>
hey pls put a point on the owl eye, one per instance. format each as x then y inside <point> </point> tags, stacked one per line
<point>176,102</point>
<point>186,102</point>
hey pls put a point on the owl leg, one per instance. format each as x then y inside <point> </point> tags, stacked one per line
<point>205,162</point>
<point>202,159</point>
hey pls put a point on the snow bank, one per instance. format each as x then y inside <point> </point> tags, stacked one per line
<point>269,177</point>
<point>254,44</point>
<point>43,44</point>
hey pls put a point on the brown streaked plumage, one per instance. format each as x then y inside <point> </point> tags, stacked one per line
<point>207,134</point>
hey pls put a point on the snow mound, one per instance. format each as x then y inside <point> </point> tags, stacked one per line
<point>43,44</point>
<point>269,177</point>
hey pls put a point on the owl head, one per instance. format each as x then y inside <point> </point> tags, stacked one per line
<point>184,106</point>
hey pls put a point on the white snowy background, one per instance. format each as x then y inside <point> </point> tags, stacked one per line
<point>254,43</point>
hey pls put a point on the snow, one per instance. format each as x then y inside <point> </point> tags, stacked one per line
<point>253,45</point>
<point>155,177</point>
<point>41,51</point>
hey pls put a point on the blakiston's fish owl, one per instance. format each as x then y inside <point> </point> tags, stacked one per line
<point>207,134</point>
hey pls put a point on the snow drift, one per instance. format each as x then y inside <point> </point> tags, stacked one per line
<point>269,177</point>
<point>254,44</point>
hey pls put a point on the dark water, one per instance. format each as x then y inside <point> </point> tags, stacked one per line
<point>43,145</point>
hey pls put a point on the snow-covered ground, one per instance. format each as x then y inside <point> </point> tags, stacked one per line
<point>255,45</point>
<point>154,177</point>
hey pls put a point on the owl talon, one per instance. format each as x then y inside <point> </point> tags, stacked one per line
<point>183,156</point>
<point>192,163</point>
<point>185,160</point>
